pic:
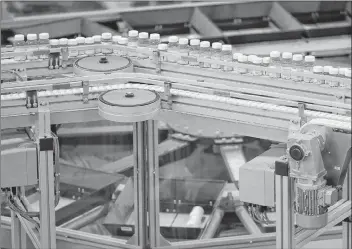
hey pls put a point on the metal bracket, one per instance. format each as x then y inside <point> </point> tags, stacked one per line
<point>301,109</point>
<point>157,60</point>
<point>282,167</point>
<point>54,60</point>
<point>167,94</point>
<point>46,144</point>
<point>31,99</point>
<point>85,86</point>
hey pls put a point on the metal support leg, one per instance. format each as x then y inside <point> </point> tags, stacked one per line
<point>347,226</point>
<point>284,209</point>
<point>46,180</point>
<point>140,190</point>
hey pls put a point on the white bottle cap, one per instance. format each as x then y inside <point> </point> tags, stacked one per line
<point>32,37</point>
<point>266,60</point>
<point>257,60</point>
<point>116,38</point>
<point>297,57</point>
<point>154,36</point>
<point>54,42</point>
<point>44,36</point>
<point>162,46</point>
<point>133,33</point>
<point>318,69</point>
<point>183,41</point>
<point>275,54</point>
<point>123,40</point>
<point>251,57</point>
<point>342,70</point>
<point>309,58</point>
<point>89,40</point>
<point>242,58</point>
<point>173,38</point>
<point>216,45</point>
<point>97,38</point>
<point>333,70</point>
<point>80,40</point>
<point>327,69</point>
<point>348,73</point>
<point>19,37</point>
<point>226,47</point>
<point>63,41</point>
<point>204,44</point>
<point>106,36</point>
<point>143,35</point>
<point>286,55</point>
<point>194,42</point>
<point>72,42</point>
<point>236,55</point>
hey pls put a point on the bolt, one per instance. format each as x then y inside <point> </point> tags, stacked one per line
<point>129,95</point>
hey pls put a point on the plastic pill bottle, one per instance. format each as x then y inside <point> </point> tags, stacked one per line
<point>80,42</point>
<point>163,48</point>
<point>123,41</point>
<point>106,39</point>
<point>183,49</point>
<point>204,52</point>
<point>242,59</point>
<point>115,41</point>
<point>132,42</point>
<point>97,41</point>
<point>309,61</point>
<point>72,43</point>
<point>194,51</point>
<point>318,70</point>
<point>257,61</point>
<point>154,41</point>
<point>143,42</point>
<point>44,43</point>
<point>172,47</point>
<point>32,45</point>
<point>297,66</point>
<point>89,41</point>
<point>19,46</point>
<point>275,62</point>
<point>216,54</point>
<point>286,65</point>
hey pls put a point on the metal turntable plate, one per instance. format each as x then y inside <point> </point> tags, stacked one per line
<point>128,98</point>
<point>102,64</point>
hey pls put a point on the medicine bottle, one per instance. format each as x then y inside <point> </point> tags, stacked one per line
<point>242,60</point>
<point>80,42</point>
<point>163,48</point>
<point>194,51</point>
<point>286,65</point>
<point>72,43</point>
<point>226,55</point>
<point>19,46</point>
<point>266,64</point>
<point>89,41</point>
<point>132,42</point>
<point>44,44</point>
<point>326,70</point>
<point>334,72</point>
<point>106,39</point>
<point>172,47</point>
<point>275,62</point>
<point>257,61</point>
<point>154,41</point>
<point>297,61</point>
<point>216,54</point>
<point>143,42</point>
<point>318,70</point>
<point>32,45</point>
<point>183,49</point>
<point>54,61</point>
<point>204,52</point>
<point>123,41</point>
<point>235,59</point>
<point>97,41</point>
<point>115,41</point>
<point>309,61</point>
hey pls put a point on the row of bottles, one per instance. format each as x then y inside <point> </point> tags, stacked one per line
<point>285,61</point>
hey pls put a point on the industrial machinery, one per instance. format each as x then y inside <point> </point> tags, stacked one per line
<point>304,176</point>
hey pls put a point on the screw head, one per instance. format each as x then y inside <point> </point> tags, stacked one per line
<point>129,95</point>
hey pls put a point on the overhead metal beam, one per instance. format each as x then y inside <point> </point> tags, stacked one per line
<point>89,28</point>
<point>283,19</point>
<point>204,24</point>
